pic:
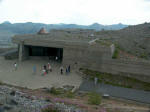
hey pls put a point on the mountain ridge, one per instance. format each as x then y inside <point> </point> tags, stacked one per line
<point>29,27</point>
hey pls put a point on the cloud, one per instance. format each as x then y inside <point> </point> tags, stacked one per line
<point>75,11</point>
<point>147,0</point>
<point>1,1</point>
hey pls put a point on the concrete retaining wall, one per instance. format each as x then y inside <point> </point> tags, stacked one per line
<point>13,54</point>
<point>100,60</point>
<point>136,69</point>
<point>85,56</point>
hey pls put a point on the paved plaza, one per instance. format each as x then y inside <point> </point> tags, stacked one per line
<point>25,77</point>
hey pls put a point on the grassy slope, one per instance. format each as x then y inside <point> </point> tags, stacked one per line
<point>117,80</point>
<point>133,39</point>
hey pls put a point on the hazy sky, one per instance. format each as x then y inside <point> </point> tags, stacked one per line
<point>75,11</point>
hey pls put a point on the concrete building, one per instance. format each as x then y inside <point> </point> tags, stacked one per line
<point>79,47</point>
<point>71,46</point>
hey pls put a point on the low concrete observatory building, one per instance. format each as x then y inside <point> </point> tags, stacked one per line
<point>70,46</point>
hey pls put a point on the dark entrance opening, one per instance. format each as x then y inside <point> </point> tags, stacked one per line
<point>49,52</point>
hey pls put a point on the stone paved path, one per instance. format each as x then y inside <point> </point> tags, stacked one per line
<point>126,93</point>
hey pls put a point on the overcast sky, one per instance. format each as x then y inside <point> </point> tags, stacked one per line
<point>83,12</point>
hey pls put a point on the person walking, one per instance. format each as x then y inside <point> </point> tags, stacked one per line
<point>43,72</point>
<point>45,68</point>
<point>34,69</point>
<point>66,70</point>
<point>49,67</point>
<point>95,81</point>
<point>61,70</point>
<point>69,68</point>
<point>56,58</point>
<point>15,66</point>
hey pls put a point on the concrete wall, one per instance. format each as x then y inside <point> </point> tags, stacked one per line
<point>23,52</point>
<point>87,55</point>
<point>12,54</point>
<point>99,59</point>
<point>136,69</point>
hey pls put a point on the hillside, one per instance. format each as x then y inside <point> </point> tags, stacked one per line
<point>133,39</point>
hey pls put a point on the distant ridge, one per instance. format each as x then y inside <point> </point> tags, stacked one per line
<point>29,27</point>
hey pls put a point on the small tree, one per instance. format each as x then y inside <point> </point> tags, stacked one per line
<point>115,54</point>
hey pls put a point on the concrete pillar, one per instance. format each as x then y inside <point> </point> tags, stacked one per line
<point>21,50</point>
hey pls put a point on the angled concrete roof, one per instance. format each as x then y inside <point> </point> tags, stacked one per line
<point>42,31</point>
<point>56,37</point>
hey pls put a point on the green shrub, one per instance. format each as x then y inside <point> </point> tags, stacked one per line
<point>50,109</point>
<point>1,83</point>
<point>55,91</point>
<point>70,94</point>
<point>144,56</point>
<point>116,54</point>
<point>94,98</point>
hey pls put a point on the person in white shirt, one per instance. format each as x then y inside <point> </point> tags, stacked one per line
<point>49,67</point>
<point>56,58</point>
<point>15,65</point>
<point>95,81</point>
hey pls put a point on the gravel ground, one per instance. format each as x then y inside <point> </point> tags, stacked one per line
<point>24,76</point>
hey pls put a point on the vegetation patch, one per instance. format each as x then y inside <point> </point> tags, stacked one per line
<point>103,31</point>
<point>142,47</point>
<point>56,91</point>
<point>1,83</point>
<point>94,98</point>
<point>69,94</point>
<point>62,92</point>
<point>50,109</point>
<point>117,80</point>
<point>144,56</point>
<point>115,54</point>
<point>103,42</point>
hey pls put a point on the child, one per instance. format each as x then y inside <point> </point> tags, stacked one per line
<point>61,70</point>
<point>34,69</point>
<point>49,67</point>
<point>44,72</point>
<point>15,65</point>
<point>67,71</point>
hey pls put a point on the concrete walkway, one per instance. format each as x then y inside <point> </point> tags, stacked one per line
<point>125,93</point>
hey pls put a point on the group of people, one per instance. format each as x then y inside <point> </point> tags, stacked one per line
<point>47,68</point>
<point>67,70</point>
